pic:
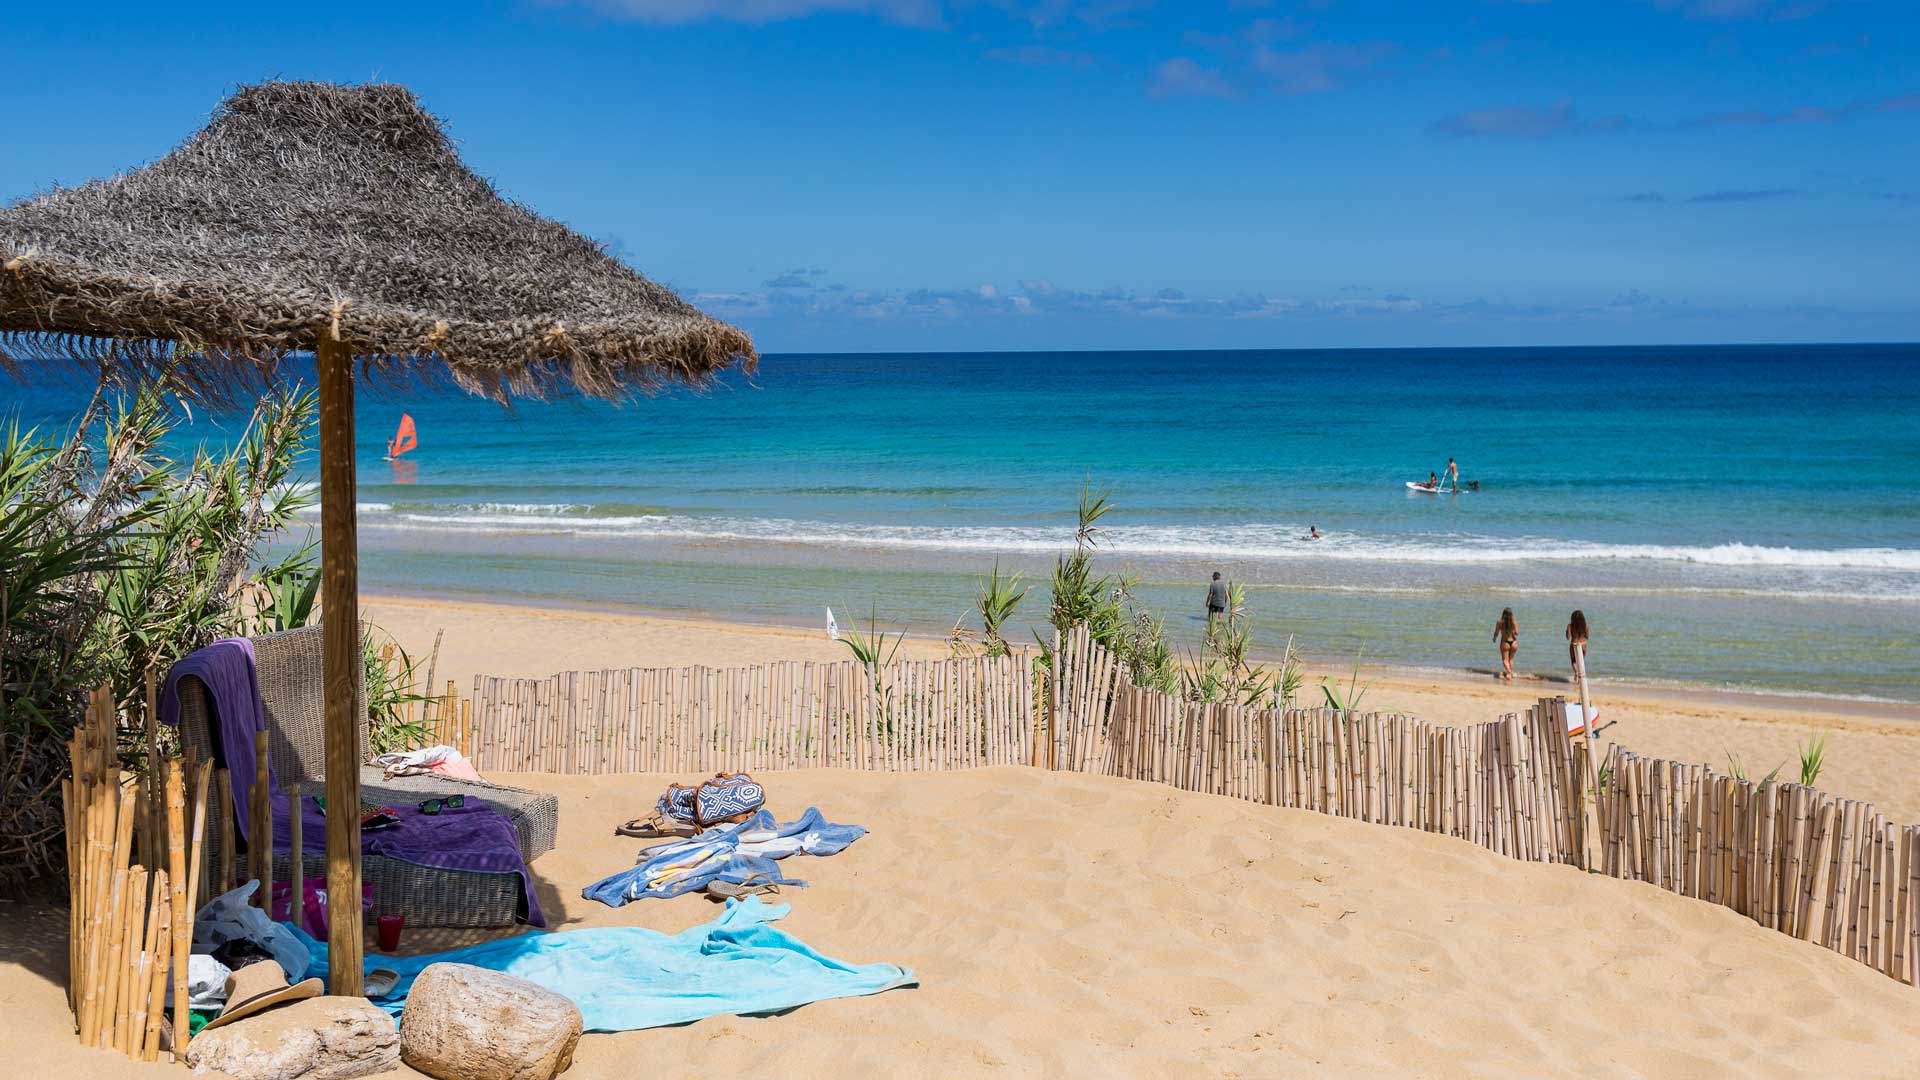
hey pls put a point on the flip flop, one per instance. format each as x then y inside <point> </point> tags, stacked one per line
<point>653,828</point>
<point>753,886</point>
<point>380,982</point>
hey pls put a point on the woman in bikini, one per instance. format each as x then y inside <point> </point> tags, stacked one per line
<point>1576,641</point>
<point>1506,634</point>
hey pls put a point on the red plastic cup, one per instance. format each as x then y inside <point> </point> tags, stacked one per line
<point>390,927</point>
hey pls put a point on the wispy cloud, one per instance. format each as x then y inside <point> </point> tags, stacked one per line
<point>1745,195</point>
<point>1730,10</point>
<point>1184,77</point>
<point>1721,195</point>
<point>1540,122</point>
<point>1318,67</point>
<point>798,278</point>
<point>676,12</point>
<point>1041,56</point>
<point>1524,122</point>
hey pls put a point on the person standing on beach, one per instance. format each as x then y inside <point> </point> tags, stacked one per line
<point>1452,476</point>
<point>1577,642</point>
<point>1216,601</point>
<point>1506,634</point>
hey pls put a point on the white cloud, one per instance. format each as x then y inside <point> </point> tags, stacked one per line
<point>1182,77</point>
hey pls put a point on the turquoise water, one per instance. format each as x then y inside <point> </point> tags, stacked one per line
<point>1742,517</point>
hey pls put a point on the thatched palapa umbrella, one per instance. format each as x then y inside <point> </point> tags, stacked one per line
<point>337,220</point>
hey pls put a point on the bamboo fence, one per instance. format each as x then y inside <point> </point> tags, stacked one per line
<point>1827,870</point>
<point>923,714</point>
<point>134,843</point>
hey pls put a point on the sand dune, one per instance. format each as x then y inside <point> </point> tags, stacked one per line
<point>1069,925</point>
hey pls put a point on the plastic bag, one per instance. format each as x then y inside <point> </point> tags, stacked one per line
<point>206,981</point>
<point>313,904</point>
<point>229,917</point>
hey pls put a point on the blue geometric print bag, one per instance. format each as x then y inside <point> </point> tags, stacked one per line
<point>727,797</point>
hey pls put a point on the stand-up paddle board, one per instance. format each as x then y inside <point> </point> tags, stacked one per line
<point>1426,489</point>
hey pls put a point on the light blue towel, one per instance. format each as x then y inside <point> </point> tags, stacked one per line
<point>724,853</point>
<point>625,977</point>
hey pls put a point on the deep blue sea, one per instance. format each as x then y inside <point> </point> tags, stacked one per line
<point>1742,516</point>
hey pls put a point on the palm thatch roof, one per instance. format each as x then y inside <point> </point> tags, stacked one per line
<point>306,208</point>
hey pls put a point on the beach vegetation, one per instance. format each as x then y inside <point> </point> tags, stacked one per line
<point>120,554</point>
<point>873,647</point>
<point>1813,758</point>
<point>1222,671</point>
<point>396,717</point>
<point>998,598</point>
<point>1345,698</point>
<point>1737,769</point>
<point>1105,605</point>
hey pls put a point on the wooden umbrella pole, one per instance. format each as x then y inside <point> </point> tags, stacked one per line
<point>340,615</point>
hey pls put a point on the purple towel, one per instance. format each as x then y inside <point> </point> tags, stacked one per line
<point>475,838</point>
<point>233,693</point>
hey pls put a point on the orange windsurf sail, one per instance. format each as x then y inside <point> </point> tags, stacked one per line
<point>403,439</point>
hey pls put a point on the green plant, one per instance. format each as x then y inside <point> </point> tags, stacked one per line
<point>1104,604</point>
<point>1813,758</point>
<point>1348,699</point>
<point>873,647</point>
<point>118,554</point>
<point>284,597</point>
<point>1738,771</point>
<point>393,722</point>
<point>998,598</point>
<point>1292,676</point>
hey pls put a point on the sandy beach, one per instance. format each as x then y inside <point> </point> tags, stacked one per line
<point>1134,930</point>
<point>1069,925</point>
<point>1873,750</point>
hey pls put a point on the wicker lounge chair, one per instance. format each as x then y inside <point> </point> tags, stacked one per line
<point>289,668</point>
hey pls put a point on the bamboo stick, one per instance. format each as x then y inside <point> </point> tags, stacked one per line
<point>155,964</point>
<point>224,781</point>
<point>129,929</point>
<point>180,932</point>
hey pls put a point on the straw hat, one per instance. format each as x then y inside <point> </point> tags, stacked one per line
<point>257,987</point>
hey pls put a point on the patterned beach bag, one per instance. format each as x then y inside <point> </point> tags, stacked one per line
<point>727,797</point>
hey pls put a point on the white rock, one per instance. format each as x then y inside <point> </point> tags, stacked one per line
<point>323,1038</point>
<point>468,1023</point>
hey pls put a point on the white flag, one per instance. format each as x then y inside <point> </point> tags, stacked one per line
<point>833,628</point>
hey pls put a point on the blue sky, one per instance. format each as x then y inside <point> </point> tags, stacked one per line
<point>1002,174</point>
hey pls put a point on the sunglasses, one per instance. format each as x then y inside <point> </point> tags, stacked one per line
<point>451,802</point>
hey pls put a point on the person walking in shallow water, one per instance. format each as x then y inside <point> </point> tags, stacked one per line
<point>1506,634</point>
<point>1577,643</point>
<point>1216,601</point>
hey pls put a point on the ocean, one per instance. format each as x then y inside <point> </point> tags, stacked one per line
<point>1728,517</point>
